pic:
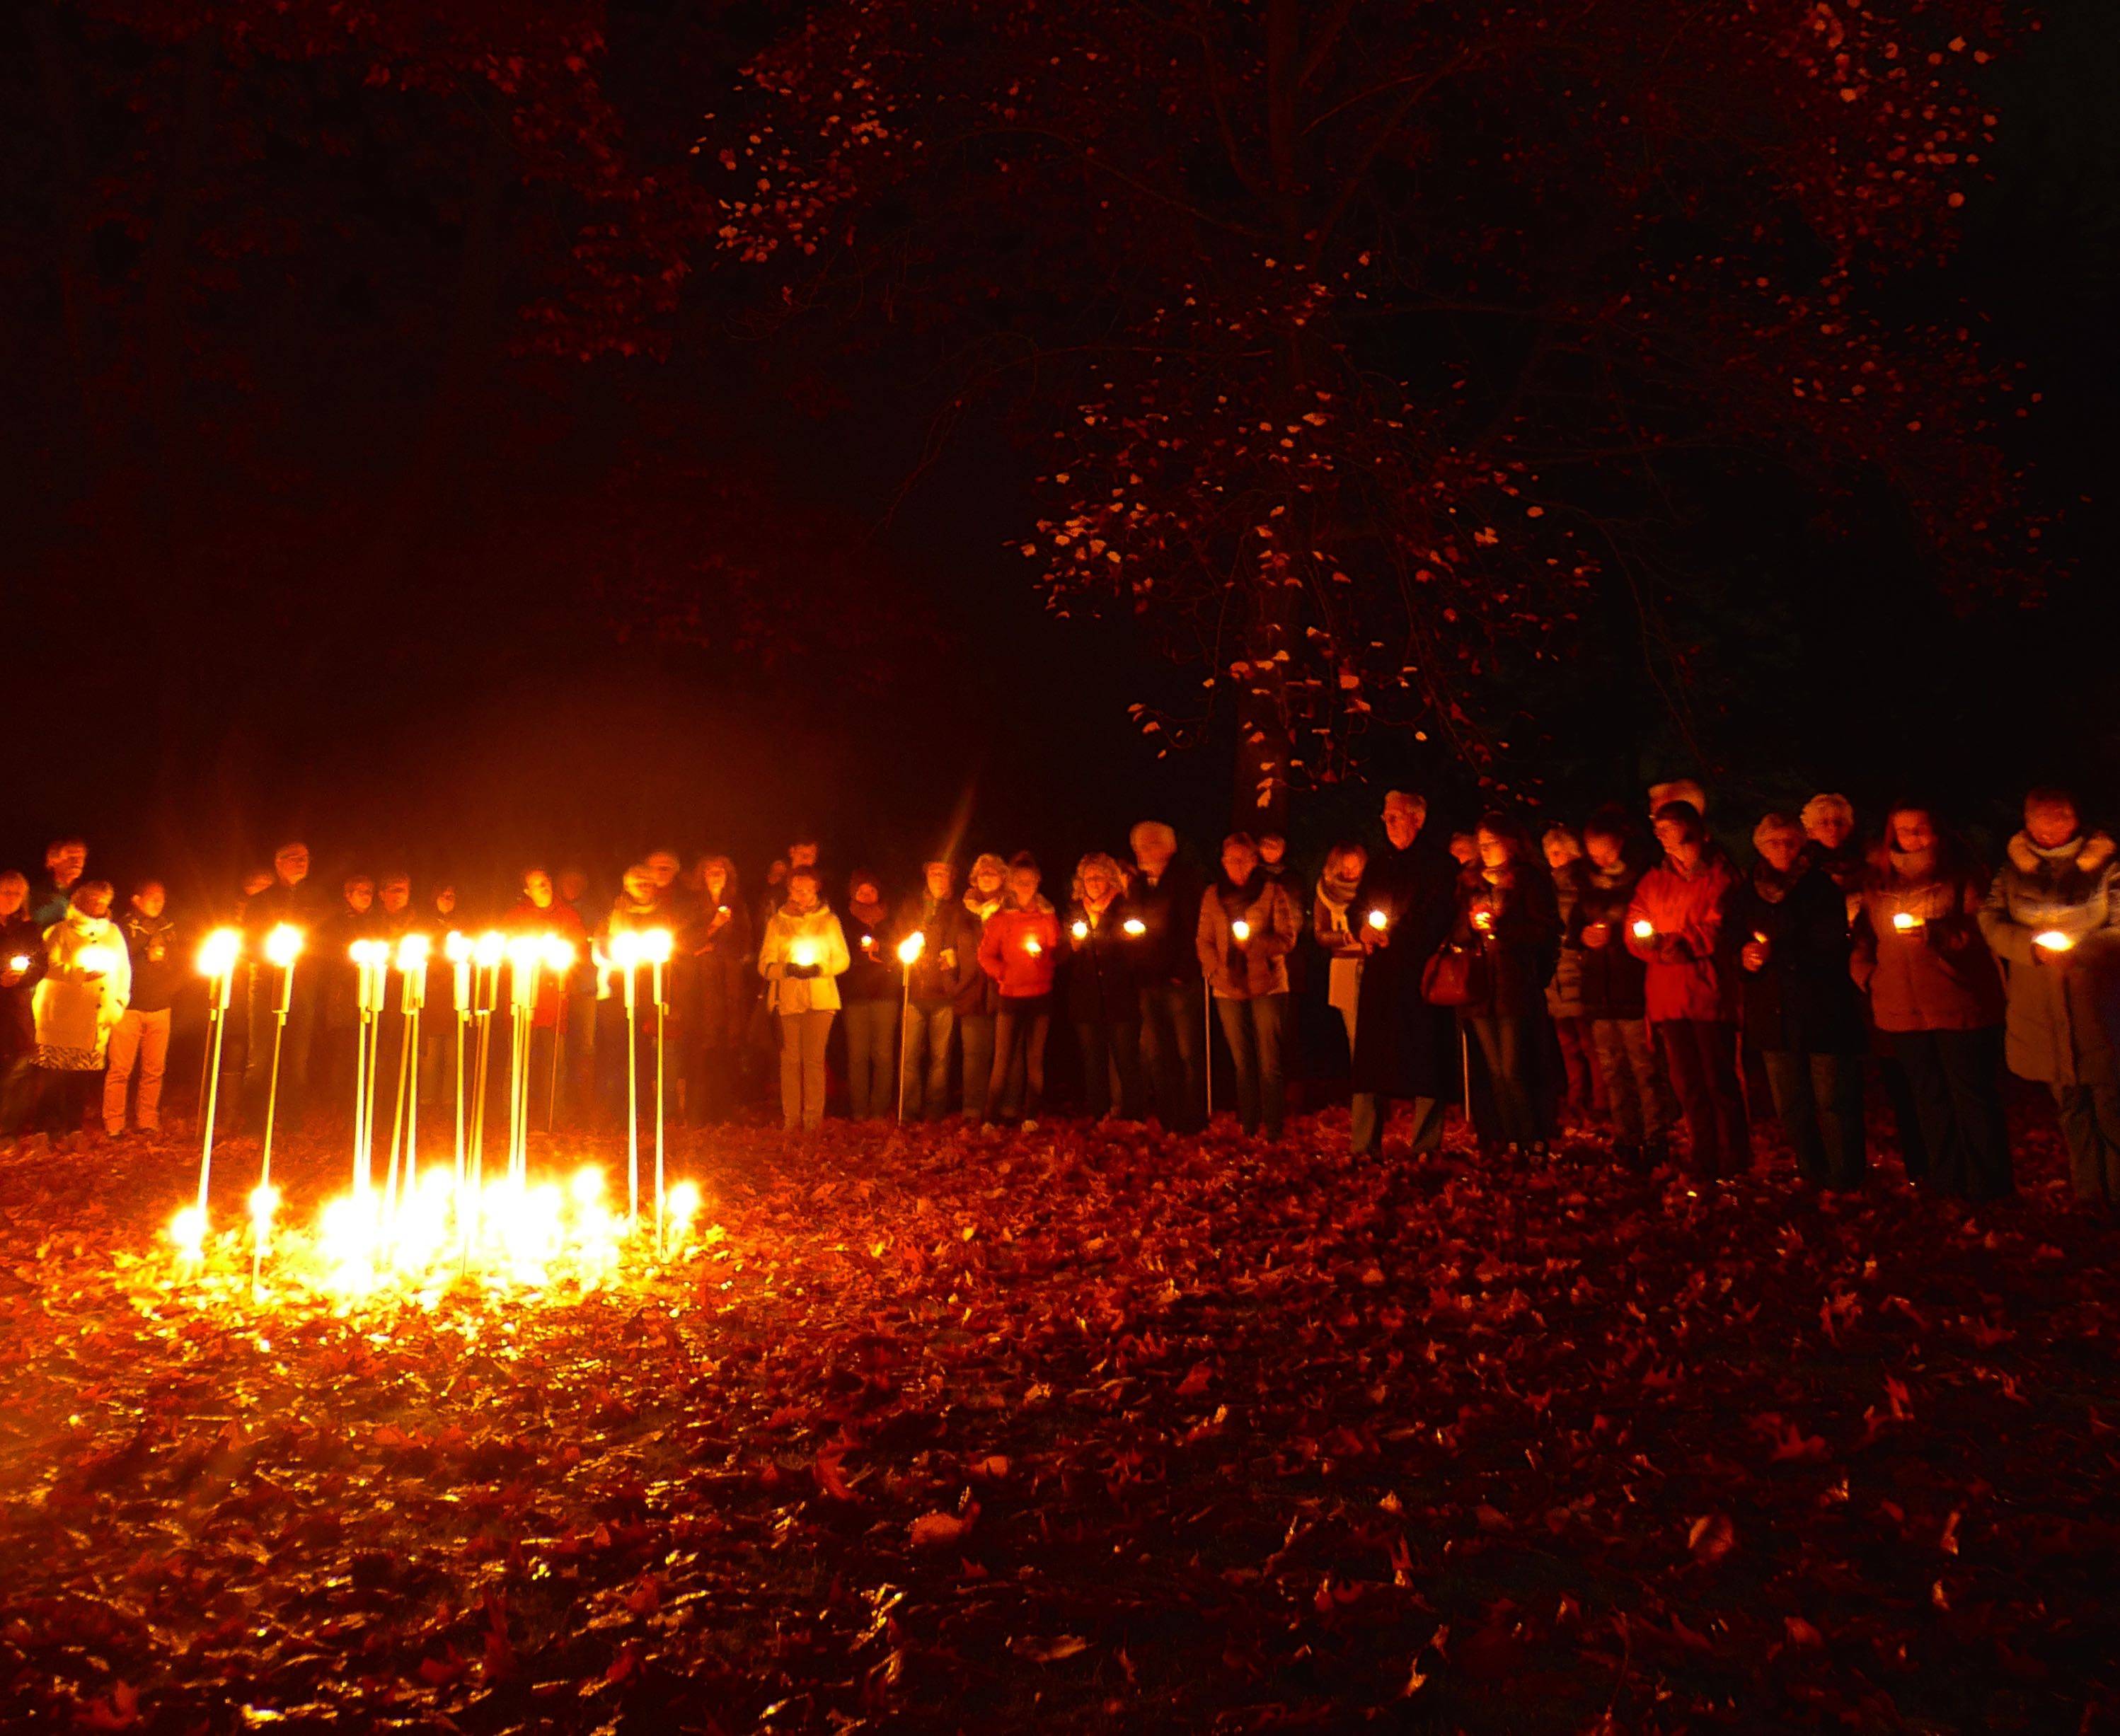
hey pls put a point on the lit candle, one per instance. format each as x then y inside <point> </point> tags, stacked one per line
<point>2053,941</point>
<point>96,961</point>
<point>491,947</point>
<point>1080,930</point>
<point>626,954</point>
<point>802,952</point>
<point>217,954</point>
<point>413,968</point>
<point>655,946</point>
<point>1378,921</point>
<point>1242,930</point>
<point>1134,927</point>
<point>910,949</point>
<point>1906,921</point>
<point>19,963</point>
<point>457,950</point>
<point>1483,920</point>
<point>283,945</point>
<point>1645,929</point>
<point>1031,946</point>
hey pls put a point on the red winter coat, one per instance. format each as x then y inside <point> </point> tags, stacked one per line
<point>1020,949</point>
<point>1690,973</point>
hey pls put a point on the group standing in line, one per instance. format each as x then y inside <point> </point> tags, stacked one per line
<point>1602,979</point>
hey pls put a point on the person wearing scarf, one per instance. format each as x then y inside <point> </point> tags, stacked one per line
<point>869,994</point>
<point>2053,917</point>
<point>979,995</point>
<point>720,943</point>
<point>1104,999</point>
<point>803,957</point>
<point>1934,992</point>
<point>1678,926</point>
<point>1247,925</point>
<point>1332,919</point>
<point>1801,1011</point>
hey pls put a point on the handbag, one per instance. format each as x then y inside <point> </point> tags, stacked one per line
<point>1456,977</point>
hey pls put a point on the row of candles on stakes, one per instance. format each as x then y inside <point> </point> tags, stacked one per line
<point>476,965</point>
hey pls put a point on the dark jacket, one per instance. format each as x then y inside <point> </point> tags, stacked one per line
<point>1802,999</point>
<point>1169,915</point>
<point>20,938</point>
<point>946,928</point>
<point>979,995</point>
<point>1102,988</point>
<point>1563,994</point>
<point>1612,981</point>
<point>724,976</point>
<point>1520,939</point>
<point>874,974</point>
<point>1936,975</point>
<point>157,972</point>
<point>1403,1047</point>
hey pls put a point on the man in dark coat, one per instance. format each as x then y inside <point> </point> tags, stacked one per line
<point>1403,1047</point>
<point>1163,896</point>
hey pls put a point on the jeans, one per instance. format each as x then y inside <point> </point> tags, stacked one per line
<point>1507,1043</point>
<point>1702,1054</point>
<point>1587,1095</point>
<point>977,1031</point>
<point>1635,1089</point>
<point>142,1038</point>
<point>1369,1111</point>
<point>927,1060</point>
<point>1955,1078</point>
<point>1110,1047</point>
<point>1171,1039</point>
<point>1253,1029</point>
<point>872,1051</point>
<point>802,1039</point>
<point>1020,1040</point>
<point>2090,1124</point>
<point>1819,1098</point>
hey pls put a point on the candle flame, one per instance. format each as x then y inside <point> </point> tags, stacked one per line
<point>1031,946</point>
<point>264,1201</point>
<point>19,962</point>
<point>1906,921</point>
<point>412,951</point>
<point>218,952</point>
<point>655,946</point>
<point>1645,929</point>
<point>283,945</point>
<point>490,948</point>
<point>1135,926</point>
<point>1378,920</point>
<point>458,948</point>
<point>93,959</point>
<point>188,1231</point>
<point>2053,941</point>
<point>1081,931</point>
<point>1242,930</point>
<point>625,950</point>
<point>910,949</point>
<point>801,952</point>
<point>559,954</point>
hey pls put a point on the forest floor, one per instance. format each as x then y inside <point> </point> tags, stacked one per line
<point>1082,1430</point>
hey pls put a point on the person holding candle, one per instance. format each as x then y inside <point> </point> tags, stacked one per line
<point>2052,918</point>
<point>801,957</point>
<point>979,995</point>
<point>1678,926</point>
<point>1933,990</point>
<point>87,980</point>
<point>1247,927</point>
<point>1334,919</point>
<point>1019,950</point>
<point>1103,1000</point>
<point>21,962</point>
<point>1800,1011</point>
<point>141,1039</point>
<point>870,997</point>
<point>1505,913</point>
<point>720,943</point>
<point>1615,995</point>
<point>1585,1096</point>
<point>948,955</point>
<point>1404,1047</point>
<point>66,859</point>
<point>1164,898</point>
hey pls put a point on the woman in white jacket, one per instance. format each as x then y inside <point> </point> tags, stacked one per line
<point>803,956</point>
<point>87,982</point>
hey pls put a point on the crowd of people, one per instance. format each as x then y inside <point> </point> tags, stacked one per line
<point>1612,979</point>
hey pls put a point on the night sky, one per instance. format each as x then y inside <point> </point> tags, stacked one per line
<point>317,548</point>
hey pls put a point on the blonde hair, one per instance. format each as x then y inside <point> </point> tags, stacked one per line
<point>1679,789</point>
<point>1819,806</point>
<point>1787,824</point>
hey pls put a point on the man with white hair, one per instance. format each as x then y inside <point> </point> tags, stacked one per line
<point>1402,1046</point>
<point>1164,899</point>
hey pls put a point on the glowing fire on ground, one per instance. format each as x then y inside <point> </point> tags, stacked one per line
<point>509,1235</point>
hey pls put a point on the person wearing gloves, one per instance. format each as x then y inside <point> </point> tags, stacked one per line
<point>978,996</point>
<point>1935,993</point>
<point>1248,924</point>
<point>2052,918</point>
<point>801,958</point>
<point>87,982</point>
<point>1103,1000</point>
<point>1677,926</point>
<point>1018,951</point>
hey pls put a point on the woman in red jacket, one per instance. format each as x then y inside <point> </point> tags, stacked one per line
<point>1935,994</point>
<point>1675,927</point>
<point>1018,951</point>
